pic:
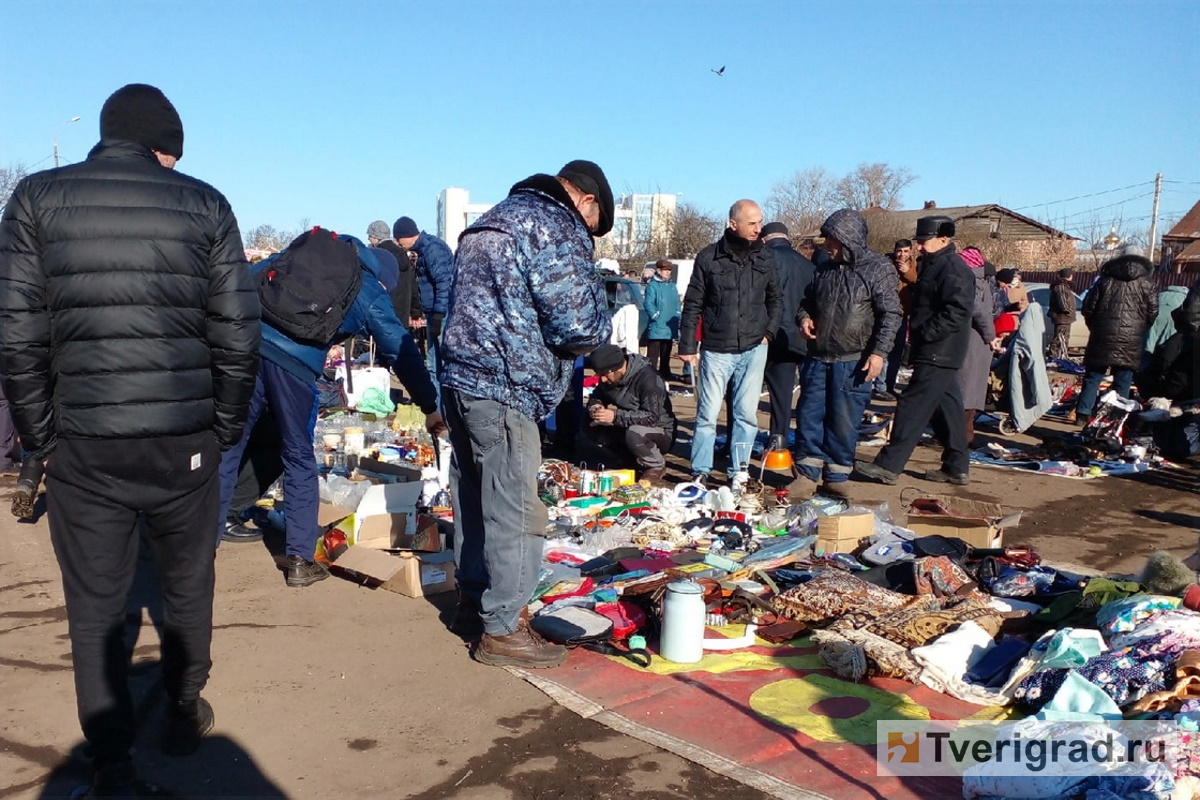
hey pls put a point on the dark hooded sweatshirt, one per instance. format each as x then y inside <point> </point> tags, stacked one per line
<point>854,303</point>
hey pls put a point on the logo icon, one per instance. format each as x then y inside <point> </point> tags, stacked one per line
<point>903,748</point>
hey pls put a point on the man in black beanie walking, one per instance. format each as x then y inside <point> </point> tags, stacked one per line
<point>140,274</point>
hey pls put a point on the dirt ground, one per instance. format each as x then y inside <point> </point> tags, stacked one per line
<point>338,690</point>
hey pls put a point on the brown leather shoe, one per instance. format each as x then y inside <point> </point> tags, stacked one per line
<point>466,622</point>
<point>521,648</point>
<point>801,489</point>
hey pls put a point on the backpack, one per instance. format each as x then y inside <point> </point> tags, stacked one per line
<point>307,290</point>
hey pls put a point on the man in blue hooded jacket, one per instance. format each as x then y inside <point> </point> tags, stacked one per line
<point>435,273</point>
<point>526,303</point>
<point>287,384</point>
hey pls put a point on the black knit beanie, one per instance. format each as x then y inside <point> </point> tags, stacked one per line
<point>141,113</point>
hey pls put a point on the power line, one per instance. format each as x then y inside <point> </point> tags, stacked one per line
<point>1082,196</point>
<point>1110,205</point>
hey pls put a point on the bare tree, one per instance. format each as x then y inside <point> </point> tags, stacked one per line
<point>692,231</point>
<point>872,185</point>
<point>10,176</point>
<point>801,201</point>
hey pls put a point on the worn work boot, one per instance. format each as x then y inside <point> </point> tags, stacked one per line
<point>187,722</point>
<point>521,648</point>
<point>941,476</point>
<point>466,622</point>
<point>28,481</point>
<point>299,573</point>
<point>873,472</point>
<point>801,488</point>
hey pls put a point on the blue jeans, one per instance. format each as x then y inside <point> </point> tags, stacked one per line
<point>717,372</point>
<point>294,403</point>
<point>1121,383</point>
<point>833,397</point>
<point>500,520</point>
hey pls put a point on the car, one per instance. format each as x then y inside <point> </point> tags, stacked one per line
<point>620,291</point>
<point>1040,293</point>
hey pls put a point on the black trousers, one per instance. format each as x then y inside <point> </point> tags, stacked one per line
<point>932,397</point>
<point>97,495</point>
<point>647,447</point>
<point>658,353</point>
<point>780,376</point>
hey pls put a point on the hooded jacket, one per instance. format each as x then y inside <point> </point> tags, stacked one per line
<point>795,273</point>
<point>526,301</point>
<point>641,397</point>
<point>126,305</point>
<point>854,303</point>
<point>1062,302</point>
<point>1119,309</point>
<point>435,273</point>
<point>734,293</point>
<point>662,307</point>
<point>371,314</point>
<point>943,303</point>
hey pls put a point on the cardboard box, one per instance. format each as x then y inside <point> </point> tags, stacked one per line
<point>979,524</point>
<point>382,518</point>
<point>409,574</point>
<point>842,533</point>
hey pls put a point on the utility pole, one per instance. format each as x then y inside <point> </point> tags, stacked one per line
<point>60,127</point>
<point>1154,215</point>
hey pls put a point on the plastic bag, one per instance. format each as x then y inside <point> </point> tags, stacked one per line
<point>343,492</point>
<point>1013,582</point>
<point>373,401</point>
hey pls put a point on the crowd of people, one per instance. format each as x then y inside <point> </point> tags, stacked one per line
<point>129,315</point>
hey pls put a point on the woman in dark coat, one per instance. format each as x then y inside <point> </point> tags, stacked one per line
<point>973,376</point>
<point>1118,310</point>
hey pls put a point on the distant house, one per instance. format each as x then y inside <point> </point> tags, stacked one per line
<point>1007,238</point>
<point>1181,244</point>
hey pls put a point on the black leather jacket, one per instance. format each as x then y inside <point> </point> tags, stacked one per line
<point>943,300</point>
<point>734,292</point>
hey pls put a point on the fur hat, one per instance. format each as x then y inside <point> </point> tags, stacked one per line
<point>930,227</point>
<point>141,113</point>
<point>1166,574</point>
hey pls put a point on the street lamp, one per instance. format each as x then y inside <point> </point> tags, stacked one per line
<point>60,127</point>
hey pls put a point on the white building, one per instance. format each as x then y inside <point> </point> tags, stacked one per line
<point>455,212</point>
<point>642,223</point>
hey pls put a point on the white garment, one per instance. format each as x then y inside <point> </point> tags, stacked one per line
<point>946,660</point>
<point>625,328</point>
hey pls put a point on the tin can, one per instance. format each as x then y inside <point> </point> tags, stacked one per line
<point>587,482</point>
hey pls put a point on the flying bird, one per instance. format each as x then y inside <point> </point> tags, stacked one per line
<point>718,72</point>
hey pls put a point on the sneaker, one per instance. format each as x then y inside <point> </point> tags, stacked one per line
<point>466,622</point>
<point>187,723</point>
<point>240,532</point>
<point>299,572</point>
<point>521,648</point>
<point>700,478</point>
<point>873,472</point>
<point>941,476</point>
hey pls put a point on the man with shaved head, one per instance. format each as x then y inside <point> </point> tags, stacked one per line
<point>734,294</point>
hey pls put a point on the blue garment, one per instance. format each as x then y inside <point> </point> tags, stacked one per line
<point>501,521</point>
<point>832,400</point>
<point>294,404</point>
<point>371,314</point>
<point>526,301</point>
<point>717,372</point>
<point>663,308</point>
<point>1121,383</point>
<point>435,272</point>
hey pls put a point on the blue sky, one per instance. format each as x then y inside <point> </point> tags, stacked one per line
<point>344,113</point>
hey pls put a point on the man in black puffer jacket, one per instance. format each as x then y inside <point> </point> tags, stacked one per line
<point>1118,309</point>
<point>940,332</point>
<point>734,294</point>
<point>129,335</point>
<point>850,314</point>
<point>630,411</point>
